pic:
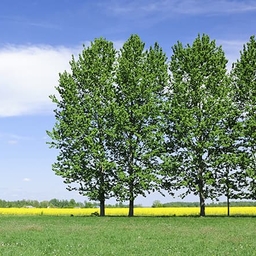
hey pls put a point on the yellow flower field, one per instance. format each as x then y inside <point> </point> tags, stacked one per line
<point>165,211</point>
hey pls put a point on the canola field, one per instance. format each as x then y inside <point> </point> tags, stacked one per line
<point>165,211</point>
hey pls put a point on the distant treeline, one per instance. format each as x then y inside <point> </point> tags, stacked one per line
<point>53,203</point>
<point>196,204</point>
<point>56,203</point>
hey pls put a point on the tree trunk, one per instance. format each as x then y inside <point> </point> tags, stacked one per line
<point>131,208</point>
<point>201,194</point>
<point>102,193</point>
<point>102,207</point>
<point>202,204</point>
<point>228,205</point>
<point>227,184</point>
<point>131,197</point>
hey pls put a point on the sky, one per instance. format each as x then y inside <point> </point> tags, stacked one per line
<point>37,40</point>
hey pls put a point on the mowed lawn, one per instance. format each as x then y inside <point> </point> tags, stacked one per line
<point>64,235</point>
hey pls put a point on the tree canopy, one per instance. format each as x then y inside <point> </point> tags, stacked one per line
<point>128,122</point>
<point>244,79</point>
<point>140,81</point>
<point>84,106</point>
<point>198,105</point>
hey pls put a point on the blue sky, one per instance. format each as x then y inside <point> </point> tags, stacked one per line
<point>36,43</point>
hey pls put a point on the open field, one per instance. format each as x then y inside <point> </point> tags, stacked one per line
<point>145,236</point>
<point>165,211</point>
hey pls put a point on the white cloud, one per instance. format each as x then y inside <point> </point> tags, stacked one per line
<point>26,179</point>
<point>28,75</point>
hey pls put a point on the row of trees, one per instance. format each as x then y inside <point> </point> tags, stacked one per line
<point>56,203</point>
<point>44,204</point>
<point>239,203</point>
<point>131,122</point>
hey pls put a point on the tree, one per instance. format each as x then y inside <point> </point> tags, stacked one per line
<point>231,174</point>
<point>157,203</point>
<point>140,81</point>
<point>82,131</point>
<point>44,204</point>
<point>198,104</point>
<point>55,203</point>
<point>244,78</point>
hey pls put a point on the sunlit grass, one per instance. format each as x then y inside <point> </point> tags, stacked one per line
<point>122,236</point>
<point>164,211</point>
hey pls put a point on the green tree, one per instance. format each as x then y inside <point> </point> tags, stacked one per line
<point>44,204</point>
<point>55,203</point>
<point>72,203</point>
<point>141,78</point>
<point>198,103</point>
<point>231,174</point>
<point>156,204</point>
<point>82,130</point>
<point>244,78</point>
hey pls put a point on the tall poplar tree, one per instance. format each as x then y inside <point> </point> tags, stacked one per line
<point>82,131</point>
<point>141,78</point>
<point>199,102</point>
<point>230,177</point>
<point>244,78</point>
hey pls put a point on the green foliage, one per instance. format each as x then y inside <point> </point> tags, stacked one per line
<point>234,204</point>
<point>198,104</point>
<point>244,82</point>
<point>140,81</point>
<point>157,204</point>
<point>84,106</point>
<point>126,126</point>
<point>55,203</point>
<point>106,120</point>
<point>90,204</point>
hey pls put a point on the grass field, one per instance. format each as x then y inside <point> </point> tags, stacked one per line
<point>64,235</point>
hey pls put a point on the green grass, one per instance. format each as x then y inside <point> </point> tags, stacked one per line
<point>46,235</point>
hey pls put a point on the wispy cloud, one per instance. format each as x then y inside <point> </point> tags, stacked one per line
<point>188,7</point>
<point>12,142</point>
<point>25,21</point>
<point>26,179</point>
<point>195,7</point>
<point>43,25</point>
<point>13,139</point>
